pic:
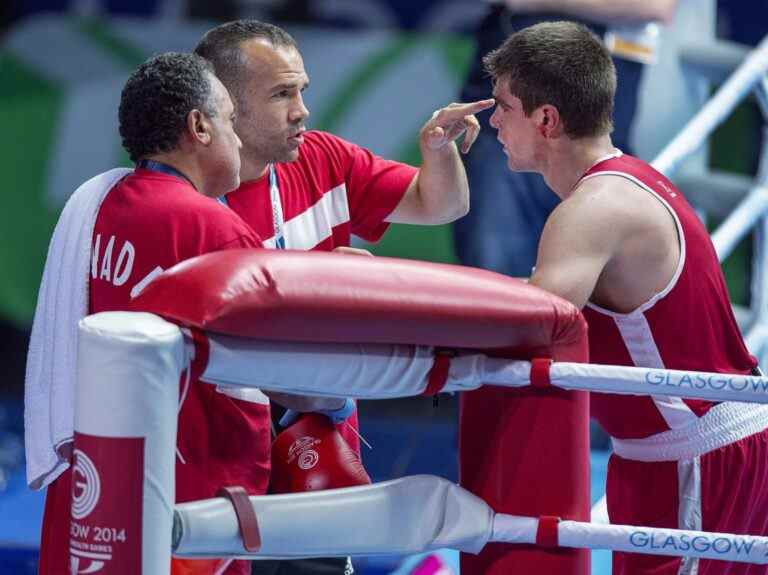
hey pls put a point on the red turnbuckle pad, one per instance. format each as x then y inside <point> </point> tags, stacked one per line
<point>540,372</point>
<point>438,375</point>
<point>546,534</point>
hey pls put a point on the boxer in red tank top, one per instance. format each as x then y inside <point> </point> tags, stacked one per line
<point>626,247</point>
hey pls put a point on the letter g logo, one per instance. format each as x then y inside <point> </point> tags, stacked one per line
<point>86,486</point>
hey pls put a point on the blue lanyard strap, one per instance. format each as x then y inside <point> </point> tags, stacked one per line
<point>277,208</point>
<point>164,168</point>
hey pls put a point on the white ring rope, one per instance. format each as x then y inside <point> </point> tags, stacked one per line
<point>432,513</point>
<point>645,540</point>
<point>668,382</point>
<point>624,380</point>
<point>740,221</point>
<point>715,110</point>
<point>618,379</point>
<point>375,371</point>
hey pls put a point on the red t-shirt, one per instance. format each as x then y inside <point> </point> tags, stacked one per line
<point>333,190</point>
<point>148,222</point>
<point>166,221</point>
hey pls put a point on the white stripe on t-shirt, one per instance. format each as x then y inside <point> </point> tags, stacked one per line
<point>316,223</point>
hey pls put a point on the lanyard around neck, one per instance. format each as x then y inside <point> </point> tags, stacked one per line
<point>163,168</point>
<point>277,208</point>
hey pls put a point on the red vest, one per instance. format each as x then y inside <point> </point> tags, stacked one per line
<point>688,326</point>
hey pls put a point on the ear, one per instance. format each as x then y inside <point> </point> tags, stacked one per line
<point>199,127</point>
<point>548,121</point>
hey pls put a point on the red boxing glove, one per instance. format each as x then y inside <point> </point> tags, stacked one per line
<point>198,566</point>
<point>311,455</point>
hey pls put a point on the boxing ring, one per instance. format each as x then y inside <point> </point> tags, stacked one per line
<point>312,324</point>
<point>292,322</point>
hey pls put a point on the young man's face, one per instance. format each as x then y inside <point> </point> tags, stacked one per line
<point>270,107</point>
<point>516,131</point>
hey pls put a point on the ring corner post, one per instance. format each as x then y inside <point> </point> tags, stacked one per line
<point>126,399</point>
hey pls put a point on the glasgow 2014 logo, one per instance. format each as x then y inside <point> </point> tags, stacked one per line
<point>86,486</point>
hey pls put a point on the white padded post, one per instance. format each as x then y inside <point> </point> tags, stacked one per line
<point>402,516</point>
<point>126,402</point>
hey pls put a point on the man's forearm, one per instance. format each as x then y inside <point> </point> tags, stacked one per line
<point>439,193</point>
<point>442,185</point>
<point>602,11</point>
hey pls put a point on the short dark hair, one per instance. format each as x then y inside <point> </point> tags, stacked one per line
<point>158,97</point>
<point>563,64</point>
<point>221,47</point>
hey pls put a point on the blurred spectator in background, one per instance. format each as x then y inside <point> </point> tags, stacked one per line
<point>502,230</point>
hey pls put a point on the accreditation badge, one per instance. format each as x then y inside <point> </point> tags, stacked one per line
<point>636,43</point>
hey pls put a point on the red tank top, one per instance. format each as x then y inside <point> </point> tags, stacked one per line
<point>689,325</point>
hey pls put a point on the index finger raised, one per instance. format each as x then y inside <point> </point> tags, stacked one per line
<point>457,111</point>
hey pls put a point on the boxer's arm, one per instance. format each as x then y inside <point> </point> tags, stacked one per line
<point>579,239</point>
<point>439,193</point>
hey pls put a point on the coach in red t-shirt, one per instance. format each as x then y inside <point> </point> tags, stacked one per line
<point>176,122</point>
<point>311,190</point>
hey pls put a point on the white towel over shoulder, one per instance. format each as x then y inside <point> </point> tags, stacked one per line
<point>49,409</point>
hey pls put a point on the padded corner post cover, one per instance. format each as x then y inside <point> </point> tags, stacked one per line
<point>328,297</point>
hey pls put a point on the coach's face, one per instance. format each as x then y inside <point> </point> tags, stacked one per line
<point>270,107</point>
<point>223,157</point>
